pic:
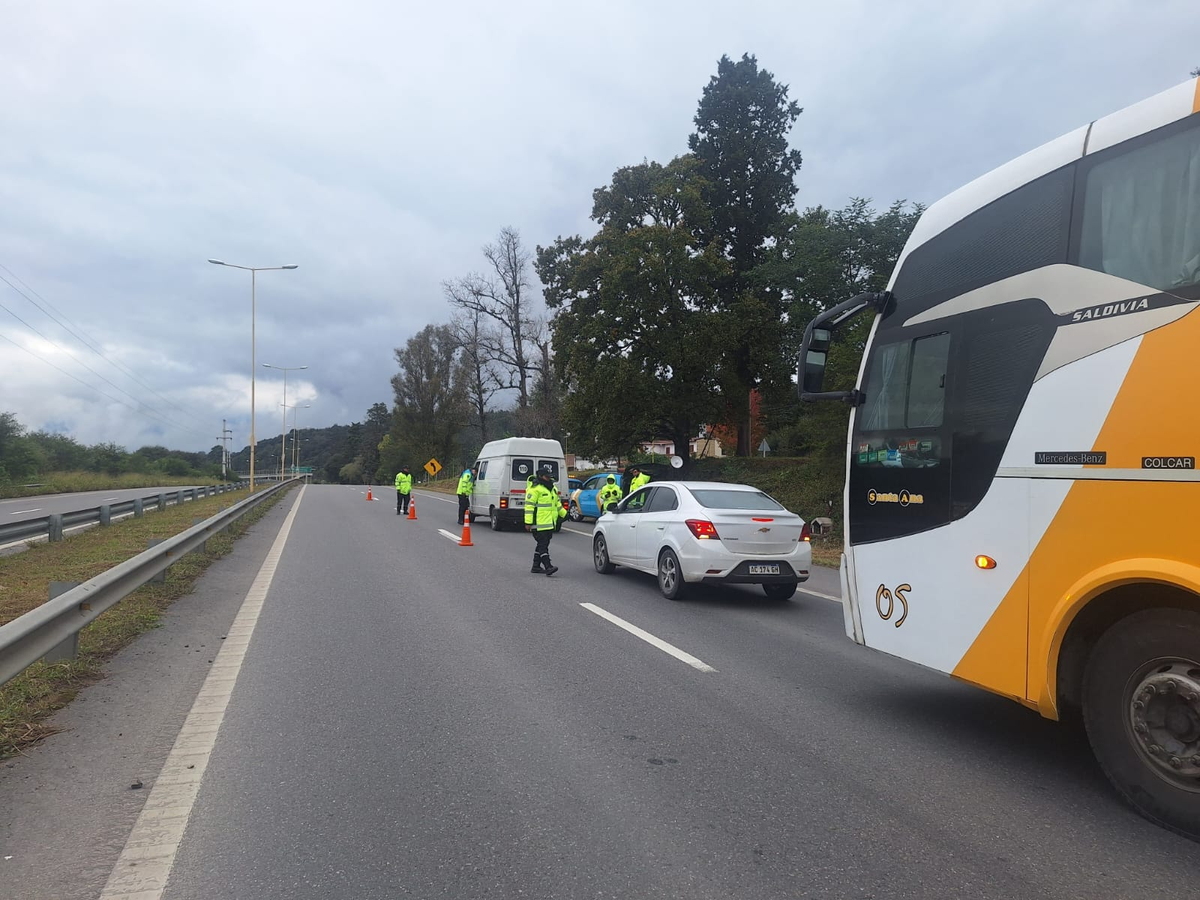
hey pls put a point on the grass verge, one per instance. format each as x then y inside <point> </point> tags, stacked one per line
<point>71,482</point>
<point>29,699</point>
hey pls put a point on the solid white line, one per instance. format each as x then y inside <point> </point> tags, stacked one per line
<point>802,589</point>
<point>144,865</point>
<point>432,496</point>
<point>573,531</point>
<point>446,534</point>
<point>107,499</point>
<point>19,511</point>
<point>646,636</point>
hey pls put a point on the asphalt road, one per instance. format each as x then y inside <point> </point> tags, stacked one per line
<point>417,719</point>
<point>21,508</point>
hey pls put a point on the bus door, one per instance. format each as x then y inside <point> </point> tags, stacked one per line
<point>939,544</point>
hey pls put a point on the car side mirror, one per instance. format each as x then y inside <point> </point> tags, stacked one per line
<point>811,374</point>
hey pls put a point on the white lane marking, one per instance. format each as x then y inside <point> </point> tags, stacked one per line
<point>646,636</point>
<point>19,511</point>
<point>446,534</point>
<point>802,589</point>
<point>107,499</point>
<point>145,863</point>
<point>573,531</point>
<point>433,496</point>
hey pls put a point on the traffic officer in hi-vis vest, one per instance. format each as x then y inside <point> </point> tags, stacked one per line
<point>543,510</point>
<point>403,490</point>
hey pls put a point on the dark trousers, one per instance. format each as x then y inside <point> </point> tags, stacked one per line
<point>541,550</point>
<point>402,502</point>
<point>464,502</point>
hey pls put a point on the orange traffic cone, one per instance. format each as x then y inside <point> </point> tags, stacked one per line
<point>369,497</point>
<point>412,508</point>
<point>465,540</point>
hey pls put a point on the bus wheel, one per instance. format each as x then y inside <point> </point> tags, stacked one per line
<point>1141,706</point>
<point>497,525</point>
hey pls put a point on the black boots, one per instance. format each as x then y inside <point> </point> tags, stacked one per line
<point>550,569</point>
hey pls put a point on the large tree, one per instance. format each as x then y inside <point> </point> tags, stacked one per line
<point>504,296</point>
<point>635,314</point>
<point>741,144</point>
<point>431,407</point>
<point>822,258</point>
<point>476,336</point>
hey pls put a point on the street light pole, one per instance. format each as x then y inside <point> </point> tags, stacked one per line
<point>295,431</point>
<point>253,270</point>
<point>283,432</point>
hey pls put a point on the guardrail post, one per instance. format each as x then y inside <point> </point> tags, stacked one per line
<point>203,548</point>
<point>56,526</point>
<point>137,507</point>
<point>105,514</point>
<point>161,577</point>
<point>68,648</point>
<point>162,502</point>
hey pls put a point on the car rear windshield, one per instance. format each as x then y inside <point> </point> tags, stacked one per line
<point>548,465</point>
<point>718,499</point>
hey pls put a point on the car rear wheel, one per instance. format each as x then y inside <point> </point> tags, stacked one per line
<point>670,576</point>
<point>779,592</point>
<point>575,514</point>
<point>497,524</point>
<point>600,555</point>
<point>1141,706</point>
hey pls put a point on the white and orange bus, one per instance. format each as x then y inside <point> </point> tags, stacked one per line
<point>1022,503</point>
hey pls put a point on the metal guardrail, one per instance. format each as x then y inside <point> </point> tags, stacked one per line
<point>51,630</point>
<point>53,526</point>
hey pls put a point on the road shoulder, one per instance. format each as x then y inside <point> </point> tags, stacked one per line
<point>68,805</point>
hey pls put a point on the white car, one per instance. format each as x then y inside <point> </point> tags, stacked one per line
<point>705,531</point>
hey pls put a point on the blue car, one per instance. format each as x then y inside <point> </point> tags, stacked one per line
<point>584,504</point>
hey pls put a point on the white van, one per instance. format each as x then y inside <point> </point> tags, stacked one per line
<point>501,477</point>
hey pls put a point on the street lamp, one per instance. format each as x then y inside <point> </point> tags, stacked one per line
<point>295,431</point>
<point>283,433</point>
<point>253,270</point>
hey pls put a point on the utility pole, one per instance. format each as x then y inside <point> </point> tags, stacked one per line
<point>226,435</point>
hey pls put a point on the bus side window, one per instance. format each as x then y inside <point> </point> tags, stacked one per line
<point>1141,211</point>
<point>927,382</point>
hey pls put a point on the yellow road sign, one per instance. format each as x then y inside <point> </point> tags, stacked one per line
<point>433,467</point>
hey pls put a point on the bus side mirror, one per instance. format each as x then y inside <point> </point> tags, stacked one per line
<point>811,371</point>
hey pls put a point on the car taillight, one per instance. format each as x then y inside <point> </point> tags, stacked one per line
<point>702,529</point>
<point>805,533</point>
<point>504,503</point>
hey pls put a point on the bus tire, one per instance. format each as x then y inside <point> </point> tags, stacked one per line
<point>1141,708</point>
<point>497,524</point>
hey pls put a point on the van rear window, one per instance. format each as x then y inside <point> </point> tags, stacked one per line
<point>522,469</point>
<point>548,465</point>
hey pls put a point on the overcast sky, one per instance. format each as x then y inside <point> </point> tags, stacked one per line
<point>379,145</point>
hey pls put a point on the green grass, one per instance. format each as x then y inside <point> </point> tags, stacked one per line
<point>70,482</point>
<point>28,700</point>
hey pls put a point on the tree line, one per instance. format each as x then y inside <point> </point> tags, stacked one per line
<point>25,456</point>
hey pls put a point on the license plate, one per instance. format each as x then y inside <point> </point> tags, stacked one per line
<point>765,570</point>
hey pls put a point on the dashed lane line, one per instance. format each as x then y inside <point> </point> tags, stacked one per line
<point>669,649</point>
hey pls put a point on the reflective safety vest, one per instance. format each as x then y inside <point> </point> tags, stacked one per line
<point>403,483</point>
<point>610,493</point>
<point>543,508</point>
<point>642,478</point>
<point>464,483</point>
